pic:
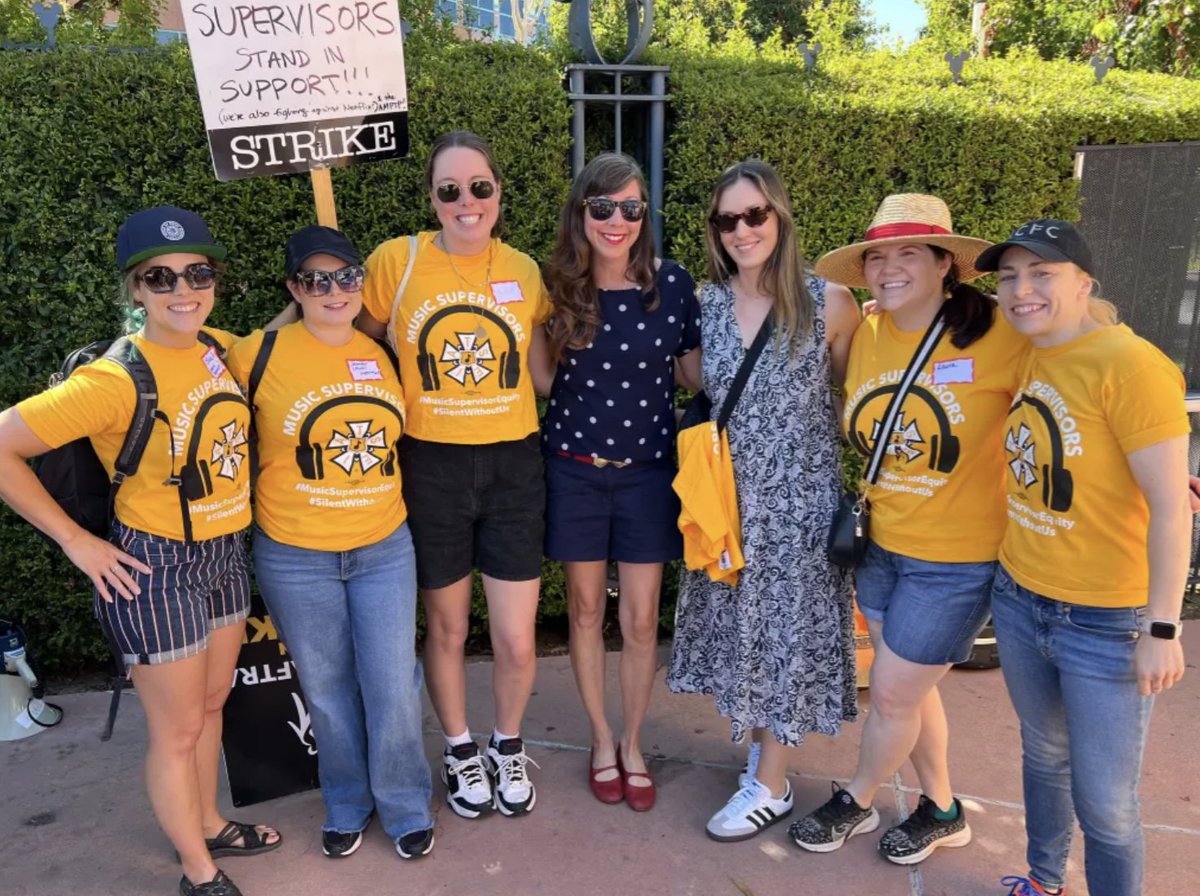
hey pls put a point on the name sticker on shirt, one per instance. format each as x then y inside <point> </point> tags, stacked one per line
<point>957,370</point>
<point>213,362</point>
<point>505,291</point>
<point>364,369</point>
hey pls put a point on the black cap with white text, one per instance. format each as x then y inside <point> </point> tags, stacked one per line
<point>1049,239</point>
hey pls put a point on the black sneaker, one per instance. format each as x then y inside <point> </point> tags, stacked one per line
<point>416,844</point>
<point>465,774</point>
<point>921,833</point>
<point>339,844</point>
<point>515,794</point>
<point>828,827</point>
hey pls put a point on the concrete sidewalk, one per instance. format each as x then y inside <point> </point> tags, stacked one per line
<point>76,818</point>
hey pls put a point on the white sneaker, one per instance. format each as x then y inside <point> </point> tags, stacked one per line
<point>515,794</point>
<point>750,769</point>
<point>465,774</point>
<point>749,811</point>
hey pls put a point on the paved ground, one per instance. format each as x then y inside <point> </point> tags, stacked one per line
<point>76,820</point>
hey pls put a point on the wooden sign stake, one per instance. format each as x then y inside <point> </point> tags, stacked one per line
<point>322,185</point>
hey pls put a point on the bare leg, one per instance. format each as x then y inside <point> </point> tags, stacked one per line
<point>641,584</point>
<point>893,726</point>
<point>930,756</point>
<point>512,619</point>
<point>586,597</point>
<point>172,695</point>
<point>772,766</point>
<point>223,647</point>
<point>447,614</point>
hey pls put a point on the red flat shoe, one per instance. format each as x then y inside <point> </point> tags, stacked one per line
<point>640,797</point>
<point>610,791</point>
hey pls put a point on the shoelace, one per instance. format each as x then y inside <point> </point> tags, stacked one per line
<point>471,771</point>
<point>833,812</point>
<point>1020,886</point>
<point>512,769</point>
<point>745,798</point>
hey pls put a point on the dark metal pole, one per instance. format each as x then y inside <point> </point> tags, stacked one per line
<point>577,148</point>
<point>654,153</point>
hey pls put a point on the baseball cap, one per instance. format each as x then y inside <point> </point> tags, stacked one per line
<point>317,239</point>
<point>1047,238</point>
<point>161,230</point>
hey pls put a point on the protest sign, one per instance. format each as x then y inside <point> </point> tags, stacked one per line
<point>294,86</point>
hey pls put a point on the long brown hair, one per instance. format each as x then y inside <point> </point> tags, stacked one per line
<point>465,140</point>
<point>576,315</point>
<point>782,277</point>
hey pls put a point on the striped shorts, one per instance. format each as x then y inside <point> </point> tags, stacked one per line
<point>192,589</point>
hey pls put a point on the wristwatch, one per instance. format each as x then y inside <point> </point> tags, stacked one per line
<point>1166,629</point>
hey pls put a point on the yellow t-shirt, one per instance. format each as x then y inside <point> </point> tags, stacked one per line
<point>207,431</point>
<point>327,420</point>
<point>462,331</point>
<point>940,491</point>
<point>1077,520</point>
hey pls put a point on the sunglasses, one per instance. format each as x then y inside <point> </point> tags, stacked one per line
<point>755,216</point>
<point>480,189</point>
<point>161,279</point>
<point>602,209</point>
<point>320,283</point>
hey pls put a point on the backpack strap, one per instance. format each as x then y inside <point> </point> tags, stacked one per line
<point>392,356</point>
<point>124,353</point>
<point>408,266</point>
<point>211,341</point>
<point>260,367</point>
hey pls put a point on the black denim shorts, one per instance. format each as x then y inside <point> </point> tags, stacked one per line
<point>475,506</point>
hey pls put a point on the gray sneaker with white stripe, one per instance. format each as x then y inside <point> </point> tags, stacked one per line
<point>749,811</point>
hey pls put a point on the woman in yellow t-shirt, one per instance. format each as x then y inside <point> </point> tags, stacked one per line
<point>464,311</point>
<point>332,552</point>
<point>936,507</point>
<point>1094,560</point>
<point>171,584</point>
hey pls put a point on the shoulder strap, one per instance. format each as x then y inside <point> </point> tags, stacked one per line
<point>392,356</point>
<point>260,366</point>
<point>126,354</point>
<point>928,343</point>
<point>211,341</point>
<point>743,373</point>
<point>408,266</point>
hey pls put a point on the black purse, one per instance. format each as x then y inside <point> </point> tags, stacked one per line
<point>850,530</point>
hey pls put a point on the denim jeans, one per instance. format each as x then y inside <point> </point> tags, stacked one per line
<point>1069,671</point>
<point>349,620</point>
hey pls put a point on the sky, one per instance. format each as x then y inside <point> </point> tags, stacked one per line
<point>903,18</point>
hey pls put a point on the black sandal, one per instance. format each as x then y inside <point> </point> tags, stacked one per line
<point>253,843</point>
<point>220,885</point>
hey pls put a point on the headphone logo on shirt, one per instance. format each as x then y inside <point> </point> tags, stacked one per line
<point>943,447</point>
<point>229,451</point>
<point>465,357</point>
<point>1058,487</point>
<point>357,446</point>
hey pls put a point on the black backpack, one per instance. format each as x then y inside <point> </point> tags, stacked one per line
<point>72,473</point>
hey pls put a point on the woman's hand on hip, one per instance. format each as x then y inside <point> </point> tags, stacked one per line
<point>105,564</point>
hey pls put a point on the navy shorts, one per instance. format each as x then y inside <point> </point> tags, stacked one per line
<point>192,589</point>
<point>931,612</point>
<point>475,506</point>
<point>627,514</point>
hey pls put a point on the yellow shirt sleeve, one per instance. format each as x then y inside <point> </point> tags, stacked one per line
<point>96,400</point>
<point>241,357</point>
<point>1147,408</point>
<point>385,266</point>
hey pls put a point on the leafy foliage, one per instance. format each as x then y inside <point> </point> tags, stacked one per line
<point>97,135</point>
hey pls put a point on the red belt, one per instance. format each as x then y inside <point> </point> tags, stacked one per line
<point>593,461</point>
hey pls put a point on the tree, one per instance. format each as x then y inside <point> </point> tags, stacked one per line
<point>1142,35</point>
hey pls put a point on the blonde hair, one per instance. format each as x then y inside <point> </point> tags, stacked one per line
<point>782,277</point>
<point>1101,310</point>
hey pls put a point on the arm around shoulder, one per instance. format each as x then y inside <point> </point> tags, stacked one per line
<point>841,320</point>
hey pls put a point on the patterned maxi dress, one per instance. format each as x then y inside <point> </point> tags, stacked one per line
<point>777,650</point>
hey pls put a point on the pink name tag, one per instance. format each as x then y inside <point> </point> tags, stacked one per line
<point>957,370</point>
<point>213,362</point>
<point>364,369</point>
<point>505,291</point>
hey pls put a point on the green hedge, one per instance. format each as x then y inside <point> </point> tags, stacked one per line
<point>94,135</point>
<point>998,148</point>
<point>87,137</point>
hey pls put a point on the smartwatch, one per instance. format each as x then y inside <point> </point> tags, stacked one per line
<point>1163,628</point>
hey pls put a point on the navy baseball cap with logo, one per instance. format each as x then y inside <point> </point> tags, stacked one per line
<point>318,240</point>
<point>1047,238</point>
<point>162,230</point>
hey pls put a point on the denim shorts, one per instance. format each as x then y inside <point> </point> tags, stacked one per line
<point>931,612</point>
<point>629,514</point>
<point>192,589</point>
<point>475,506</point>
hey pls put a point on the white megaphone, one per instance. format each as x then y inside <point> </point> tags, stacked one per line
<point>21,713</point>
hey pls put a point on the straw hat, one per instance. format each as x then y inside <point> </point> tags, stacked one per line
<point>904,218</point>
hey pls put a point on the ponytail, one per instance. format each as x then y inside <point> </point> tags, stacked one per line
<point>969,313</point>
